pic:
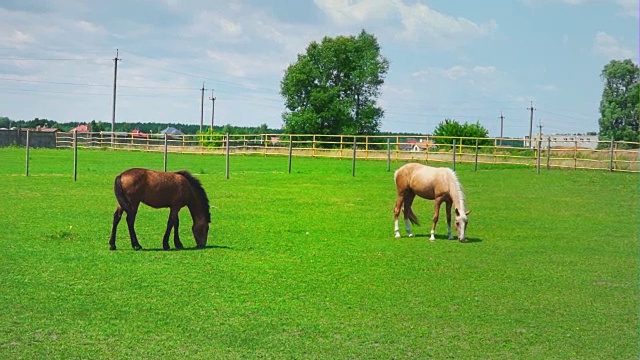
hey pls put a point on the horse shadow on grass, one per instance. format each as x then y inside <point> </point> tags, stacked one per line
<point>208,247</point>
<point>445,238</point>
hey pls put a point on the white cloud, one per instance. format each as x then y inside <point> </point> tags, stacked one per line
<point>415,22</point>
<point>608,46</point>
<point>455,72</point>
<point>345,12</point>
<point>628,7</point>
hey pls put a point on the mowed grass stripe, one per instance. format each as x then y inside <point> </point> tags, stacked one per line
<point>304,265</point>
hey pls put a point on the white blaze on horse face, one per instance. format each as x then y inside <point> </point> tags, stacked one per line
<point>461,225</point>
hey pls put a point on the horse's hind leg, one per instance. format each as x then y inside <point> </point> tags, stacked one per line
<point>176,234</point>
<point>436,216</point>
<point>117,215</point>
<point>396,214</point>
<point>408,201</point>
<point>173,218</point>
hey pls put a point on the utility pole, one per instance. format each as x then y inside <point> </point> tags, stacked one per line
<point>531,125</point>
<point>213,108</point>
<point>201,106</point>
<point>113,109</point>
<point>501,126</point>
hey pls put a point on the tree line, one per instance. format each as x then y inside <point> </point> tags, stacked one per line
<point>145,127</point>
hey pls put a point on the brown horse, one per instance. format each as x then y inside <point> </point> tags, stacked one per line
<point>432,183</point>
<point>174,190</point>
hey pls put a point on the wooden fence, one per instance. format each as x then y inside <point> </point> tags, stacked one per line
<point>603,155</point>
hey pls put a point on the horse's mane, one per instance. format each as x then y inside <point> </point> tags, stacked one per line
<point>199,190</point>
<point>459,188</point>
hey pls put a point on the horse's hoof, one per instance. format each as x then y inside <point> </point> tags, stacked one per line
<point>410,235</point>
<point>397,236</point>
<point>179,247</point>
<point>166,247</point>
<point>137,247</point>
<point>112,247</point>
<point>432,239</point>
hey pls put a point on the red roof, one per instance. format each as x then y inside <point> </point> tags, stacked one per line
<point>81,128</point>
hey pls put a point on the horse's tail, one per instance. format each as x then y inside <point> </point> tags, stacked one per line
<point>122,199</point>
<point>410,214</point>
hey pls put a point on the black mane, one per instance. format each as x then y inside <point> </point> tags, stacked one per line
<point>199,190</point>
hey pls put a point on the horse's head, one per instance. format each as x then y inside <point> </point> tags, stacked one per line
<point>200,230</point>
<point>461,224</point>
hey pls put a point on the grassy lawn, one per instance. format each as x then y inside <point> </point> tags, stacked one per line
<point>304,265</point>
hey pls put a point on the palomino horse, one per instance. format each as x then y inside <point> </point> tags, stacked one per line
<point>174,190</point>
<point>432,183</point>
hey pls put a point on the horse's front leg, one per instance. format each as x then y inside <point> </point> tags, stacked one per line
<point>117,215</point>
<point>449,203</point>
<point>170,224</point>
<point>396,214</point>
<point>436,216</point>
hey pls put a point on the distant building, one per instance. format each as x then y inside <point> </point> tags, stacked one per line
<point>567,140</point>
<point>417,146</point>
<point>171,131</point>
<point>81,128</point>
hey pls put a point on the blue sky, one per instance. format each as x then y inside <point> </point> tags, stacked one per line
<point>464,60</point>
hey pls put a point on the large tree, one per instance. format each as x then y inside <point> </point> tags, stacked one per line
<point>451,129</point>
<point>620,104</point>
<point>333,87</point>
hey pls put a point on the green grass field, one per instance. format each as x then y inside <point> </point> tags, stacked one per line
<point>305,266</point>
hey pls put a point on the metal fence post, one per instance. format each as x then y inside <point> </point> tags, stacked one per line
<point>290,151</point>
<point>227,157</point>
<point>27,151</point>
<point>538,157</point>
<point>75,156</point>
<point>476,163</point>
<point>548,152</point>
<point>165,153</point>
<point>611,155</point>
<point>454,154</point>
<point>388,154</point>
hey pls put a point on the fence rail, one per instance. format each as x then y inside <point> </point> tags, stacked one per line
<point>603,155</point>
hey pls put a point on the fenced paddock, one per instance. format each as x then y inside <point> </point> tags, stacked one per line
<point>304,264</point>
<point>601,155</point>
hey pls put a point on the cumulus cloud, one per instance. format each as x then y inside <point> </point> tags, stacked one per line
<point>413,22</point>
<point>608,46</point>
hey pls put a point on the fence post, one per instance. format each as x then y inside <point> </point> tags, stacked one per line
<point>75,156</point>
<point>265,144</point>
<point>290,151</point>
<point>353,163</point>
<point>164,156</point>
<point>476,164</point>
<point>366,147</point>
<point>575,154</point>
<point>227,157</point>
<point>313,146</point>
<point>548,152</point>
<point>454,154</point>
<point>610,155</point>
<point>27,151</point>
<point>539,154</point>
<point>388,154</point>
